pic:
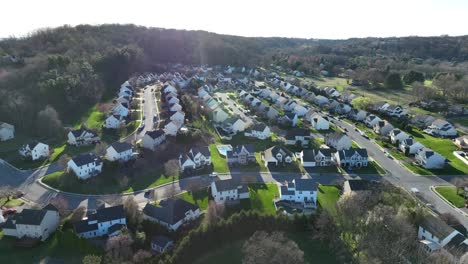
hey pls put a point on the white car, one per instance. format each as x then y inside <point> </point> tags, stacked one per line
<point>214,174</point>
<point>414,190</point>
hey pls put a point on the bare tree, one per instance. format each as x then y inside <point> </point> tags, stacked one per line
<point>119,247</point>
<point>171,168</point>
<point>132,212</point>
<point>460,184</point>
<point>61,203</point>
<point>63,161</point>
<point>141,256</point>
<point>170,191</point>
<point>273,248</point>
<point>100,149</point>
<point>77,214</point>
<point>6,192</point>
<point>48,122</point>
<point>214,212</point>
<point>92,259</point>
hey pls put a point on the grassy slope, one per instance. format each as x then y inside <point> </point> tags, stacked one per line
<point>327,197</point>
<point>199,198</point>
<point>449,193</point>
<point>219,162</point>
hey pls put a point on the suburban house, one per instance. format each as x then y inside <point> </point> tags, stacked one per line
<point>152,139</point>
<point>171,213</point>
<point>395,110</point>
<point>234,125</point>
<point>7,131</point>
<point>114,121</point>
<point>440,127</point>
<point>82,136</point>
<point>396,136</point>
<point>410,146</point>
<point>371,120</point>
<point>383,128</point>
<point>319,122</point>
<point>381,106</point>
<point>434,235</point>
<point>422,120</point>
<point>357,114</point>
<point>35,150</point>
<point>259,131</point>
<point>172,127</point>
<point>33,223</point>
<point>120,109</point>
<point>178,116</point>
<point>171,99</point>
<point>290,119</point>
<point>353,157</point>
<point>338,141</point>
<point>320,100</point>
<point>169,89</point>
<point>299,110</point>
<point>175,107</point>
<point>85,165</point>
<point>107,221</point>
<point>119,151</point>
<point>298,135</point>
<point>302,191</point>
<point>316,157</point>
<point>241,154</point>
<point>429,159</point>
<point>351,186</point>
<point>461,142</point>
<point>277,155</point>
<point>272,113</point>
<point>196,157</point>
<point>228,190</point>
<point>160,244</point>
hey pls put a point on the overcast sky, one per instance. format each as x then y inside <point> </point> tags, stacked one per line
<point>332,19</point>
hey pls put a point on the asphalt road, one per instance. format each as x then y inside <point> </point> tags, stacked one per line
<point>235,109</point>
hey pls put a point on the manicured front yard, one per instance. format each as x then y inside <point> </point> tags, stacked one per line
<point>449,193</point>
<point>372,168</point>
<point>327,197</point>
<point>62,245</point>
<point>199,198</point>
<point>261,198</point>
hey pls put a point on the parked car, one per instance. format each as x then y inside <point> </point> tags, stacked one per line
<point>345,129</point>
<point>213,174</point>
<point>140,128</point>
<point>8,212</point>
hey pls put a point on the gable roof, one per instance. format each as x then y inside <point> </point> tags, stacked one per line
<point>205,151</point>
<point>81,131</point>
<point>273,151</point>
<point>160,241</point>
<point>110,213</point>
<point>30,217</point>
<point>85,158</point>
<point>169,211</point>
<point>436,226</point>
<point>350,152</point>
<point>305,185</point>
<point>121,146</point>
<point>155,133</point>
<point>229,184</point>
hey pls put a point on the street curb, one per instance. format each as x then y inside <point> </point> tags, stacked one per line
<point>445,200</point>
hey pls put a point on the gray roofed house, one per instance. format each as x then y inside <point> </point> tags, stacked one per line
<point>317,157</point>
<point>171,213</point>
<point>106,221</point>
<point>121,146</point>
<point>277,155</point>
<point>229,190</point>
<point>161,243</point>
<point>353,157</point>
<point>241,154</point>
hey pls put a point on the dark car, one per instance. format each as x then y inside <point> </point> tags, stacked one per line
<point>345,129</point>
<point>141,127</point>
<point>8,212</point>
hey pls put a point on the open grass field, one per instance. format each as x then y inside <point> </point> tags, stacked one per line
<point>315,252</point>
<point>62,245</point>
<point>261,198</point>
<point>327,197</point>
<point>449,193</point>
<point>199,198</point>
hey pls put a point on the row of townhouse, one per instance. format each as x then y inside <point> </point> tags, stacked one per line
<point>121,110</point>
<point>176,117</point>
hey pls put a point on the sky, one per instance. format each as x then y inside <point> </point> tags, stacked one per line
<point>330,19</point>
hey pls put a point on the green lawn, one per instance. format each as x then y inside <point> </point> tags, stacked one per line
<point>11,203</point>
<point>372,168</point>
<point>258,166</point>
<point>199,198</point>
<point>219,162</point>
<point>315,252</point>
<point>108,182</point>
<point>327,197</point>
<point>444,147</point>
<point>293,167</point>
<point>460,120</point>
<point>449,193</point>
<point>261,198</point>
<point>62,245</point>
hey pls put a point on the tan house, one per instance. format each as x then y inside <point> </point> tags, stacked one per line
<point>461,142</point>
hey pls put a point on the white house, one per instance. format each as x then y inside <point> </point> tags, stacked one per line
<point>338,141</point>
<point>461,142</point>
<point>277,155</point>
<point>298,135</point>
<point>316,157</point>
<point>320,100</point>
<point>429,159</point>
<point>82,136</point>
<point>169,89</point>
<point>114,121</point>
<point>160,244</point>
<point>383,128</point>
<point>33,223</point>
<point>410,146</point>
<point>172,127</point>
<point>372,120</point>
<point>272,113</point>
<point>235,125</point>
<point>178,116</point>
<point>105,221</point>
<point>353,157</point>
<point>396,136</point>
<point>319,122</point>
<point>175,107</point>
<point>219,116</point>
<point>395,110</point>
<point>228,190</point>
<point>440,127</point>
<point>173,100</point>
<point>171,213</point>
<point>241,154</point>
<point>357,114</point>
<point>119,151</point>
<point>152,139</point>
<point>381,106</point>
<point>196,157</point>
<point>121,110</point>
<point>35,150</point>
<point>290,118</point>
<point>259,131</point>
<point>302,191</point>
<point>7,131</point>
<point>435,235</point>
<point>85,165</point>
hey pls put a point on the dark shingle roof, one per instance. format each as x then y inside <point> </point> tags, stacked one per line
<point>114,228</point>
<point>305,185</point>
<point>79,132</point>
<point>83,226</point>
<point>230,184</point>
<point>50,207</point>
<point>110,213</point>
<point>298,132</point>
<point>350,152</point>
<point>160,241</point>
<point>86,158</point>
<point>155,133</point>
<point>309,154</point>
<point>205,151</point>
<point>437,227</point>
<point>285,191</point>
<point>169,211</point>
<point>121,146</point>
<point>273,151</point>
<point>30,217</point>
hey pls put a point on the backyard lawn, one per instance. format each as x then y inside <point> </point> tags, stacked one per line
<point>219,162</point>
<point>62,245</point>
<point>449,193</point>
<point>199,198</point>
<point>327,197</point>
<point>314,252</point>
<point>261,198</point>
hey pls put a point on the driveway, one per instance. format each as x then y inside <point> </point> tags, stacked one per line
<point>235,109</point>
